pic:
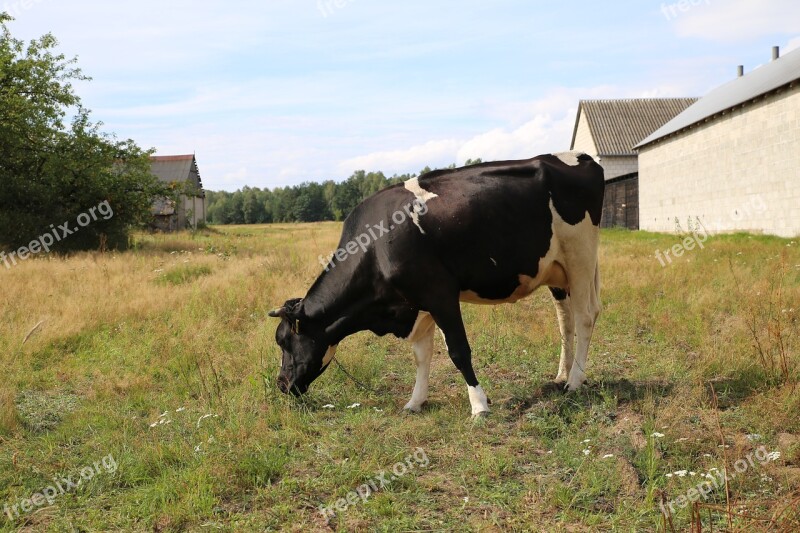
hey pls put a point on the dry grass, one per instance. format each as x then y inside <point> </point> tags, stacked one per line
<point>180,322</point>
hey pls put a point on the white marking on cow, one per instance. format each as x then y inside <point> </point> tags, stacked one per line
<point>329,355</point>
<point>422,197</point>
<point>478,400</point>
<point>421,339</point>
<point>569,158</point>
<point>493,261</point>
<point>421,194</point>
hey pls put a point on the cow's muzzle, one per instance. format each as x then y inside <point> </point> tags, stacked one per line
<point>285,387</point>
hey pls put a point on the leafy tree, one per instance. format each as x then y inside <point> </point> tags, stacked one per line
<point>253,209</point>
<point>51,173</point>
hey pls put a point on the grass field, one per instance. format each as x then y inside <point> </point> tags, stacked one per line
<point>151,376</point>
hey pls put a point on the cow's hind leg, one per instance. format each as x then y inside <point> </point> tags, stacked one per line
<point>566,324</point>
<point>421,339</point>
<point>585,300</point>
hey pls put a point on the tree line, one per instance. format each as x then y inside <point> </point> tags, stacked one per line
<point>307,202</point>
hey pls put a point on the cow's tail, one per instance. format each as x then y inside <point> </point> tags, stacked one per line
<point>596,295</point>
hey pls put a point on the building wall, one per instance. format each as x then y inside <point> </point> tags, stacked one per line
<point>738,172</point>
<point>194,211</point>
<point>613,166</point>
<point>584,141</point>
<point>616,166</point>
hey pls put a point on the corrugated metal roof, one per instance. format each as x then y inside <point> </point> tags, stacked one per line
<point>175,168</point>
<point>618,125</point>
<point>762,80</point>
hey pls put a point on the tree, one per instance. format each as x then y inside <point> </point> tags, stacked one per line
<point>51,174</point>
<point>309,204</point>
<point>253,209</point>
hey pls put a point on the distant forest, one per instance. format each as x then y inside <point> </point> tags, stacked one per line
<point>307,202</point>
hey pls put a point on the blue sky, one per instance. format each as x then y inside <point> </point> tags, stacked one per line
<point>277,92</point>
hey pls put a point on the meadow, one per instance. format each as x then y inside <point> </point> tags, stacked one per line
<point>162,361</point>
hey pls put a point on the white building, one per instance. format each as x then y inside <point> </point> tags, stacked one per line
<point>731,161</point>
<point>608,130</point>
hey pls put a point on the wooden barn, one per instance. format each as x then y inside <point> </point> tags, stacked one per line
<point>182,174</point>
<point>608,130</point>
<point>731,161</point>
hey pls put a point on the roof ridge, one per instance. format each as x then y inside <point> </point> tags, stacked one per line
<point>616,125</point>
<point>636,99</point>
<point>171,157</point>
<point>758,82</point>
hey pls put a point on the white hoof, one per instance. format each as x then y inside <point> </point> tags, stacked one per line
<point>413,407</point>
<point>574,383</point>
<point>478,401</point>
<point>561,378</point>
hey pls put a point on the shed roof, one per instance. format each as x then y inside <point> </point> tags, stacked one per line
<point>617,125</point>
<point>175,168</point>
<point>758,82</point>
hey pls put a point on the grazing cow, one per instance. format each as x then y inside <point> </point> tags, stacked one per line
<point>489,233</point>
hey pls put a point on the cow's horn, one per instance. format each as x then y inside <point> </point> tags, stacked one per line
<point>278,312</point>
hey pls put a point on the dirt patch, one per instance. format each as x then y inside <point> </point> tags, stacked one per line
<point>629,425</point>
<point>629,478</point>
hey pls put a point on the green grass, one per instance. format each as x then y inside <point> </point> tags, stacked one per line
<point>180,390</point>
<point>186,274</point>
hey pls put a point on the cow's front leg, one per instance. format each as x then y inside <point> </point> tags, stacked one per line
<point>452,326</point>
<point>421,339</point>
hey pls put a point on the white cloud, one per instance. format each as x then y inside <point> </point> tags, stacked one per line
<point>526,129</point>
<point>735,20</point>
<point>411,159</point>
<point>539,135</point>
<point>238,176</point>
<point>793,44</point>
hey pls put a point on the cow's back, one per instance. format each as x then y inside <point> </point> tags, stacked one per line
<point>488,223</point>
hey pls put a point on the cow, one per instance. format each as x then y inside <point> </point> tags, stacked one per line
<point>489,233</point>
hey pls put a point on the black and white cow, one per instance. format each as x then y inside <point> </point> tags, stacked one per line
<point>489,233</point>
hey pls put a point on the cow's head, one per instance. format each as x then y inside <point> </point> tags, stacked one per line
<point>306,354</point>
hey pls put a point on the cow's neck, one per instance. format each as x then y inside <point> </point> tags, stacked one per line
<point>344,301</point>
<point>336,300</point>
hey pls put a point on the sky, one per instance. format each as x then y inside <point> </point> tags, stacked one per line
<point>273,93</point>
